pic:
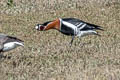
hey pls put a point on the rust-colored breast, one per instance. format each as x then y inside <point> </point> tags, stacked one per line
<point>53,25</point>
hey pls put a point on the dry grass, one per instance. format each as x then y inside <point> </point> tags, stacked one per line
<point>46,55</point>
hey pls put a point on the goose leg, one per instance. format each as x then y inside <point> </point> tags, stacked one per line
<point>72,40</point>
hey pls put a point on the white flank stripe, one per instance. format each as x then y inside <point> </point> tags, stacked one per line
<point>69,25</point>
<point>82,26</point>
<point>11,45</point>
<point>79,24</point>
<point>20,44</point>
<point>84,33</point>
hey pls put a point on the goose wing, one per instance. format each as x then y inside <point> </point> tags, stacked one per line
<point>3,39</point>
<point>73,21</point>
<point>82,25</point>
<point>13,39</point>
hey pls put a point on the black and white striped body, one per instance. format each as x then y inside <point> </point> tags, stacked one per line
<point>76,27</point>
<point>8,43</point>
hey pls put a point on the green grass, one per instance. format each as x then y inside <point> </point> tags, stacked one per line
<point>47,56</point>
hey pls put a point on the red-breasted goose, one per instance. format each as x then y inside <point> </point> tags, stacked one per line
<point>70,26</point>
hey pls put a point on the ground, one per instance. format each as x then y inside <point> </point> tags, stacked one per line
<point>47,55</point>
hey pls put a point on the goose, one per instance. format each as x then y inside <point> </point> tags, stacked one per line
<point>8,43</point>
<point>71,27</point>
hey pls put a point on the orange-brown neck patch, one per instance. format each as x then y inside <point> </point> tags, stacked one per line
<point>53,25</point>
